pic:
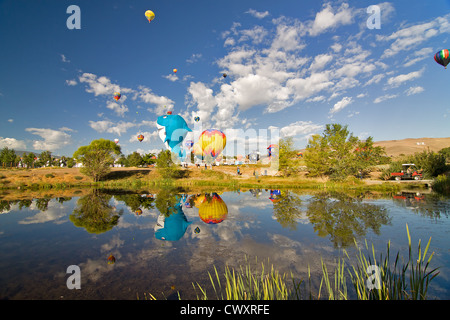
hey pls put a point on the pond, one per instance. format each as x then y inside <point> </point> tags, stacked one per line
<point>129,244</point>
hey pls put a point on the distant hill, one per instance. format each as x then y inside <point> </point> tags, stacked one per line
<point>37,153</point>
<point>410,146</point>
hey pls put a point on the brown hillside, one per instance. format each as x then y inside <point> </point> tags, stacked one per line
<point>395,148</point>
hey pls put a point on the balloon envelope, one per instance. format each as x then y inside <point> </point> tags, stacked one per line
<point>140,137</point>
<point>197,119</point>
<point>149,15</point>
<point>213,210</point>
<point>117,95</point>
<point>212,142</point>
<point>442,57</point>
<point>116,140</point>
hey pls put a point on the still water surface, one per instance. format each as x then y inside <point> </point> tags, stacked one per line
<point>164,242</point>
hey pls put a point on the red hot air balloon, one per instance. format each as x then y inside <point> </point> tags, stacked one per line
<point>140,137</point>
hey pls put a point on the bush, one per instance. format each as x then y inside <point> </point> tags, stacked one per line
<point>49,175</point>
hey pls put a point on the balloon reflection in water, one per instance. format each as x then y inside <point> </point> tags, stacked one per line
<point>212,209</point>
<point>172,227</point>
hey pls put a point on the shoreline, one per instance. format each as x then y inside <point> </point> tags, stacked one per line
<point>56,180</point>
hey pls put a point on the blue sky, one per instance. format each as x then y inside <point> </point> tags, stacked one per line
<point>292,65</point>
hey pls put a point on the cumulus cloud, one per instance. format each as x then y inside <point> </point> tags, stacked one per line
<point>414,90</point>
<point>258,14</point>
<point>12,143</point>
<point>338,106</point>
<point>111,127</point>
<point>300,128</point>
<point>412,36</point>
<point>385,97</point>
<point>53,139</point>
<point>329,18</point>
<point>71,82</point>
<point>398,80</point>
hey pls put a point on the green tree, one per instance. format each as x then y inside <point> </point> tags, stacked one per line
<point>446,153</point>
<point>337,153</point>
<point>149,159</point>
<point>29,159</point>
<point>286,160</point>
<point>134,159</point>
<point>8,157</point>
<point>97,158</point>
<point>167,168</point>
<point>94,213</point>
<point>46,158</point>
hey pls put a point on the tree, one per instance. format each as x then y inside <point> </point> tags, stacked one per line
<point>8,157</point>
<point>134,159</point>
<point>167,168</point>
<point>97,158</point>
<point>149,159</point>
<point>28,159</point>
<point>46,158</point>
<point>337,153</point>
<point>286,160</point>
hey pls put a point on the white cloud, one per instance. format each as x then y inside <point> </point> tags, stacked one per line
<point>11,120</point>
<point>64,59</point>
<point>194,58</point>
<point>398,80</point>
<point>71,82</point>
<point>111,127</point>
<point>172,77</point>
<point>338,106</point>
<point>320,61</point>
<point>328,19</point>
<point>300,128</point>
<point>163,104</point>
<point>12,143</point>
<point>385,97</point>
<point>412,36</point>
<point>414,90</point>
<point>118,109</point>
<point>53,139</point>
<point>258,14</point>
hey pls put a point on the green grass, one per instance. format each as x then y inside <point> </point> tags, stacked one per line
<point>399,280</point>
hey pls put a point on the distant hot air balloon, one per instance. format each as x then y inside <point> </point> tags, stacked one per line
<point>175,70</point>
<point>197,230</point>
<point>197,119</point>
<point>442,57</point>
<point>272,149</point>
<point>213,209</point>
<point>111,259</point>
<point>117,95</point>
<point>116,141</point>
<point>212,142</point>
<point>224,75</point>
<point>138,211</point>
<point>149,15</point>
<point>169,112</point>
<point>189,143</point>
<point>140,137</point>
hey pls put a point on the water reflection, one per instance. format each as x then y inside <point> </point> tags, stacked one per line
<point>344,218</point>
<point>433,206</point>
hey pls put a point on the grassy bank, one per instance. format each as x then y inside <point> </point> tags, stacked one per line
<point>222,177</point>
<point>352,278</point>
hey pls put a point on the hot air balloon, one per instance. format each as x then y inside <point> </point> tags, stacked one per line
<point>197,230</point>
<point>198,152</point>
<point>111,259</point>
<point>149,15</point>
<point>172,130</point>
<point>224,75</point>
<point>116,141</point>
<point>212,142</point>
<point>189,143</point>
<point>272,149</point>
<point>175,70</point>
<point>140,137</point>
<point>213,210</point>
<point>197,119</point>
<point>169,112</point>
<point>442,57</point>
<point>138,211</point>
<point>117,95</point>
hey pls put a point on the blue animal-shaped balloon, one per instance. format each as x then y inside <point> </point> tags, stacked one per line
<point>172,130</point>
<point>173,227</point>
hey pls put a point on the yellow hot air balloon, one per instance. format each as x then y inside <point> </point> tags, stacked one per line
<point>175,70</point>
<point>212,142</point>
<point>213,210</point>
<point>149,15</point>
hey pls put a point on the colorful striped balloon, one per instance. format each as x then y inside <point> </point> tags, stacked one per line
<point>442,57</point>
<point>212,142</point>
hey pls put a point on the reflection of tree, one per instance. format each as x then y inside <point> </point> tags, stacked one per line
<point>427,205</point>
<point>344,218</point>
<point>135,201</point>
<point>42,203</point>
<point>287,209</point>
<point>94,213</point>
<point>166,200</point>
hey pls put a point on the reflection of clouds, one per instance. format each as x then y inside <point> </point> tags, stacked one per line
<point>55,212</point>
